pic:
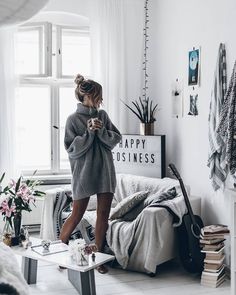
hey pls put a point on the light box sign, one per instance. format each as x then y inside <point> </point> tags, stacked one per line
<point>140,155</point>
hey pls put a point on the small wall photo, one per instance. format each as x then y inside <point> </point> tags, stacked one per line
<point>194,66</point>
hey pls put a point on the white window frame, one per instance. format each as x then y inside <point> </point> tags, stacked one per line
<point>81,30</point>
<point>54,83</point>
<point>54,86</point>
<point>47,47</point>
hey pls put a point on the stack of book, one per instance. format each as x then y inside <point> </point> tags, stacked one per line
<point>212,243</point>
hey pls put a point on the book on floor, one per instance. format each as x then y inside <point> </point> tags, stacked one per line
<point>211,242</point>
<point>214,275</point>
<point>207,251</point>
<point>214,261</point>
<point>215,256</point>
<point>214,267</point>
<point>215,228</point>
<point>212,236</point>
<point>213,247</point>
<point>213,270</point>
<point>213,284</point>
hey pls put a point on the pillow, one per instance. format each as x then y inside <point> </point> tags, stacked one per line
<point>161,197</point>
<point>133,214</point>
<point>127,204</point>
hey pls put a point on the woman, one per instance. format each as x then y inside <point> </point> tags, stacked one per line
<point>89,138</point>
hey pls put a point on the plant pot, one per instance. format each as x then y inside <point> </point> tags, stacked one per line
<point>146,128</point>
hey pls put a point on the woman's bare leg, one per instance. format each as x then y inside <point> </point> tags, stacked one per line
<point>79,207</point>
<point>104,201</point>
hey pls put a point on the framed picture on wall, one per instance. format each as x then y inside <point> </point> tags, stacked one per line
<point>194,66</point>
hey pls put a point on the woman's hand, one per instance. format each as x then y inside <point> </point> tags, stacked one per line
<point>94,124</point>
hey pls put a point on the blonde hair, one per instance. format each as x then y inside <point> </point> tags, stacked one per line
<point>87,87</point>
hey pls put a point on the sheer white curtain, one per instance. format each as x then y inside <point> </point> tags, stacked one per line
<point>117,42</point>
<point>7,105</point>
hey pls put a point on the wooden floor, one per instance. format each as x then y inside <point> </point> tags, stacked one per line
<point>170,280</point>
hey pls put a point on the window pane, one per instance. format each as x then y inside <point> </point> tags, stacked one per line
<point>68,105</point>
<point>75,53</point>
<point>30,51</point>
<point>33,128</point>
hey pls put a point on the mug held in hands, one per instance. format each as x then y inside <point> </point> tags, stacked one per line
<point>94,124</point>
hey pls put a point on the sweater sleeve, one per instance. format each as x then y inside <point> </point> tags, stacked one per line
<point>77,145</point>
<point>109,135</point>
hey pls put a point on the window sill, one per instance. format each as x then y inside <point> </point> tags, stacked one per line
<point>52,179</point>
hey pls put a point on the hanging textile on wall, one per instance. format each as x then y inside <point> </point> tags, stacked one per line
<point>227,125</point>
<point>217,151</point>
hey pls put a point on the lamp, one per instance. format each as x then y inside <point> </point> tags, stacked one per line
<point>13,12</point>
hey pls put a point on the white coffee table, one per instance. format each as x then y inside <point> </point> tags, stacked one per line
<point>81,277</point>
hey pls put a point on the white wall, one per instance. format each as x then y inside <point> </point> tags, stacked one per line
<point>177,26</point>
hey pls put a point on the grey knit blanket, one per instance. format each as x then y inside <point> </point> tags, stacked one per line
<point>217,148</point>
<point>120,234</point>
<point>227,125</point>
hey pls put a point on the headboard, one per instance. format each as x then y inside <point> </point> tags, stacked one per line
<point>140,155</point>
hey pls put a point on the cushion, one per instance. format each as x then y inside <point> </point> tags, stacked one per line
<point>127,204</point>
<point>161,197</point>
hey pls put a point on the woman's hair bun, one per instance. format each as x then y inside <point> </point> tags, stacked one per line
<point>79,79</point>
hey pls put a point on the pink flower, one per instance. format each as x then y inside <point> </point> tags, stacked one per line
<point>5,209</point>
<point>24,192</point>
<point>12,183</point>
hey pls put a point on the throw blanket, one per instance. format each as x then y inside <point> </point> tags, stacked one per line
<point>11,278</point>
<point>53,204</point>
<point>58,205</point>
<point>227,125</point>
<point>217,152</point>
<point>121,233</point>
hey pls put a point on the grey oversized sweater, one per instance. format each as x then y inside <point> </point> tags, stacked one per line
<point>90,153</point>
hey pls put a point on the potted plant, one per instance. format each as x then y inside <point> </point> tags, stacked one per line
<point>145,111</point>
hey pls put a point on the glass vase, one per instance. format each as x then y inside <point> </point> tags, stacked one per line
<point>7,233</point>
<point>81,258</point>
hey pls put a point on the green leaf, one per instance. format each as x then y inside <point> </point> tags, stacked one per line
<point>150,112</point>
<point>39,193</point>
<point>133,111</point>
<point>135,103</point>
<point>18,184</point>
<point>6,189</point>
<point>153,111</point>
<point>141,103</point>
<point>10,202</point>
<point>2,177</point>
<point>10,191</point>
<point>35,171</point>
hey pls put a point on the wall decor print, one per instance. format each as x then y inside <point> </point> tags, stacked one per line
<point>193,105</point>
<point>177,98</point>
<point>194,66</point>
